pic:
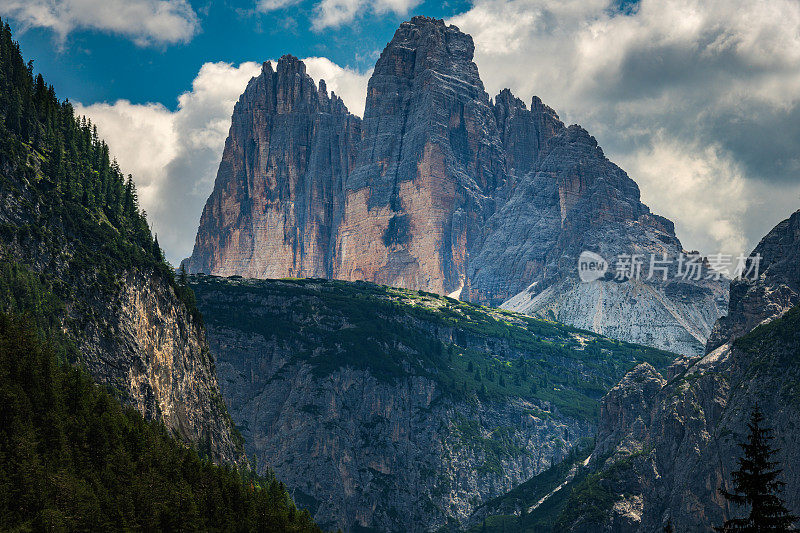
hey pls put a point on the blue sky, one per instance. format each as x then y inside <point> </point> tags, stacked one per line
<point>698,100</point>
<point>94,66</point>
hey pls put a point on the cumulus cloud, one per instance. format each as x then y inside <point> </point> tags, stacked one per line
<point>349,84</point>
<point>141,137</point>
<point>697,99</point>
<point>334,13</point>
<point>683,176</point>
<point>174,155</point>
<point>265,6</point>
<point>145,21</point>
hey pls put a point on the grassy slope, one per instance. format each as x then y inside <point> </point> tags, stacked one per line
<point>468,349</point>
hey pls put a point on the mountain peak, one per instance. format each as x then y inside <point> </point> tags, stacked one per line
<point>437,188</point>
<point>540,108</point>
<point>772,293</point>
<point>429,43</point>
<point>290,64</point>
<point>507,99</point>
<point>421,20</point>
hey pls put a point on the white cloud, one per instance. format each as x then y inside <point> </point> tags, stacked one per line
<point>334,13</point>
<point>265,6</point>
<point>174,155</point>
<point>141,137</point>
<point>681,177</point>
<point>350,85</point>
<point>696,99</point>
<point>146,22</point>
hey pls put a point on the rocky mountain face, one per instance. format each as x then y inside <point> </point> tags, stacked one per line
<point>280,190</point>
<point>118,312</point>
<point>776,290</point>
<point>146,345</point>
<point>668,441</point>
<point>440,188</point>
<point>578,200</point>
<point>399,410</point>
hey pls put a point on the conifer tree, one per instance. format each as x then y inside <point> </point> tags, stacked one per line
<point>756,484</point>
<point>183,279</point>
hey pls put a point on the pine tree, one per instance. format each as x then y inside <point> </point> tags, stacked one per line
<point>756,484</point>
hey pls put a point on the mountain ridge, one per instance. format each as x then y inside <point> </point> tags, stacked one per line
<point>666,444</point>
<point>401,410</point>
<point>439,188</point>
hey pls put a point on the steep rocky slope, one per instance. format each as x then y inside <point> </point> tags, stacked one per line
<point>400,410</point>
<point>70,226</point>
<point>666,444</point>
<point>72,458</point>
<point>126,323</point>
<point>578,200</point>
<point>279,194</point>
<point>443,189</point>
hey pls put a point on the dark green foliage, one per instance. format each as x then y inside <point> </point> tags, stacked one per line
<point>468,349</point>
<point>77,210</point>
<point>25,291</point>
<point>756,484</point>
<point>588,498</point>
<point>186,295</point>
<point>72,458</point>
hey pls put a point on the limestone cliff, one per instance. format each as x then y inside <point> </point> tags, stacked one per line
<point>579,200</point>
<point>279,195</point>
<point>399,410</point>
<point>443,189</point>
<point>665,445</point>
<point>115,304</point>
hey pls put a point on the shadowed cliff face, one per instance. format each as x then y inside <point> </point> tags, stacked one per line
<point>123,321</point>
<point>775,291</point>
<point>400,410</point>
<point>665,446</point>
<point>279,194</point>
<point>439,188</point>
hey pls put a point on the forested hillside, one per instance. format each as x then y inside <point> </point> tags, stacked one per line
<point>73,459</point>
<point>70,220</point>
<point>85,297</point>
<point>72,183</point>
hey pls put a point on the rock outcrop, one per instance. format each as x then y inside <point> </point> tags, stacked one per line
<point>123,320</point>
<point>665,446</point>
<point>279,195</point>
<point>398,411</point>
<point>440,188</point>
<point>772,293</point>
<point>430,164</point>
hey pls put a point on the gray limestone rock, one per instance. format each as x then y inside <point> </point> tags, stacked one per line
<point>664,448</point>
<point>441,189</point>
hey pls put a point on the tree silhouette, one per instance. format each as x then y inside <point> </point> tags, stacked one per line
<point>756,484</point>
